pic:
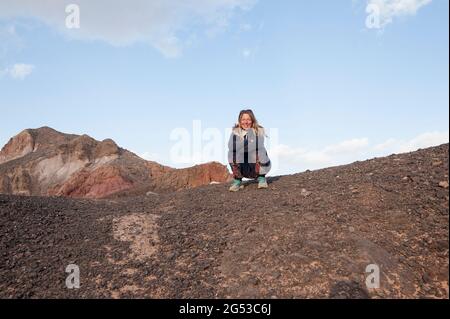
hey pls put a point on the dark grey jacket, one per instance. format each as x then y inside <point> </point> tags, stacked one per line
<point>242,147</point>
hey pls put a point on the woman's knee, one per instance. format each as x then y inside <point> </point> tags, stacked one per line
<point>265,169</point>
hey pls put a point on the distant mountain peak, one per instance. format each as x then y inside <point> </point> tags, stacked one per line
<point>44,161</point>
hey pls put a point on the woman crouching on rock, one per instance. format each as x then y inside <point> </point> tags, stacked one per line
<point>247,154</point>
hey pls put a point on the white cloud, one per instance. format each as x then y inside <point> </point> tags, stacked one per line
<point>421,141</point>
<point>296,159</point>
<point>389,143</point>
<point>425,140</point>
<point>297,155</point>
<point>21,71</point>
<point>389,9</point>
<point>18,71</point>
<point>161,23</point>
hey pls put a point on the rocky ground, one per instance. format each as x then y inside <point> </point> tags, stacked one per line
<point>310,235</point>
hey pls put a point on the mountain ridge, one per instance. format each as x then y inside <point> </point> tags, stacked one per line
<point>44,161</point>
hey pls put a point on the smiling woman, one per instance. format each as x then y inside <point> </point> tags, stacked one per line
<point>247,154</point>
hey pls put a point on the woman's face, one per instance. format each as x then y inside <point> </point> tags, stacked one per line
<point>246,121</point>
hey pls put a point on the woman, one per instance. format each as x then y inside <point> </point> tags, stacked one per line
<point>247,154</point>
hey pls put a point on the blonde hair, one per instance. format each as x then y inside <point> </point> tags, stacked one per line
<point>255,125</point>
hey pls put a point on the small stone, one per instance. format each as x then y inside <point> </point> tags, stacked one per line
<point>443,184</point>
<point>408,179</point>
<point>250,230</point>
<point>305,193</point>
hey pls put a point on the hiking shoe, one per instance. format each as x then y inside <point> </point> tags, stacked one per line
<point>262,182</point>
<point>236,186</point>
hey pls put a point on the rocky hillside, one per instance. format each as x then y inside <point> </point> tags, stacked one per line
<point>46,162</point>
<point>310,235</point>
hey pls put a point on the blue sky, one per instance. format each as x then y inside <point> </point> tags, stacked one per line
<point>332,89</point>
